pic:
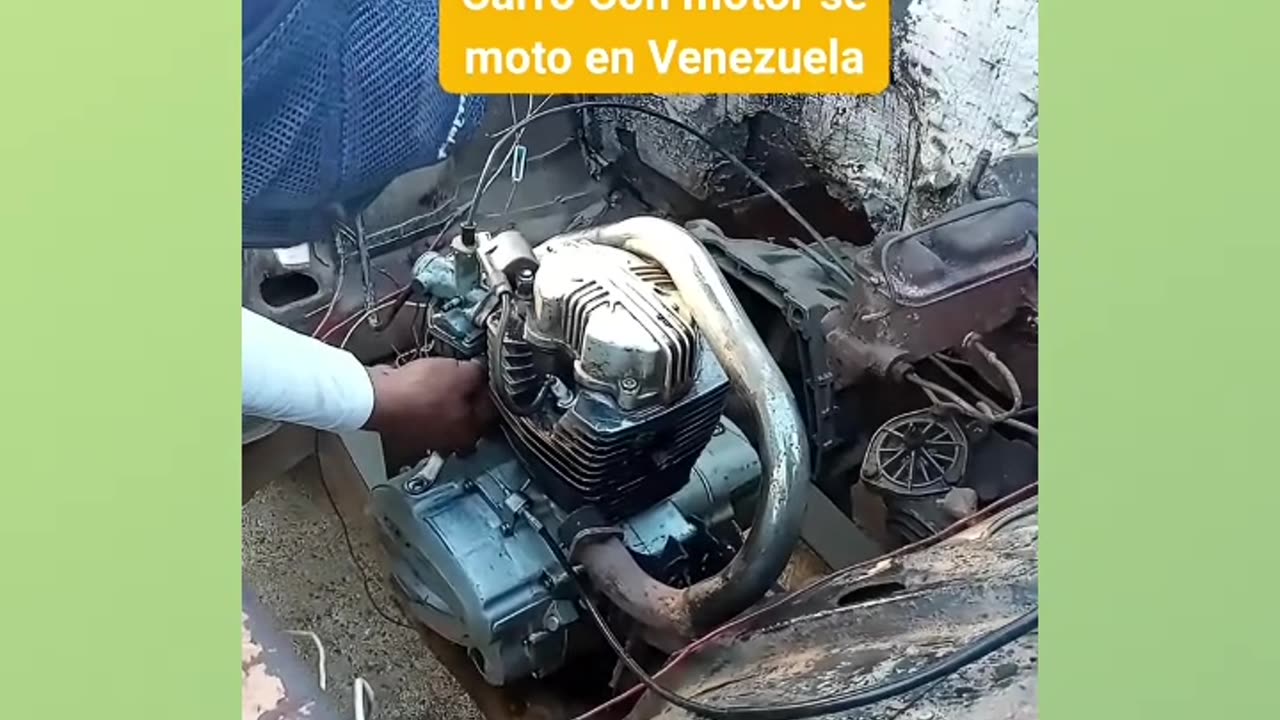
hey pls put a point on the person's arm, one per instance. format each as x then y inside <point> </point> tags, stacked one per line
<point>294,378</point>
<point>427,404</point>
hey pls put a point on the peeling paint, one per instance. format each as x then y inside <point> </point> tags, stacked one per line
<point>976,66</point>
<point>816,644</point>
<point>260,692</point>
<point>966,78</point>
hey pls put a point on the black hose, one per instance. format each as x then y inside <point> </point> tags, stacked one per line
<point>840,702</point>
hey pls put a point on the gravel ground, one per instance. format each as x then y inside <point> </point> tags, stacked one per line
<point>295,558</point>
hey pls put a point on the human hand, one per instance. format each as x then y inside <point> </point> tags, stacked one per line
<point>431,404</point>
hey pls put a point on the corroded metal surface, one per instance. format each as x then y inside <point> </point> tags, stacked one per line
<point>888,619</point>
<point>924,291</point>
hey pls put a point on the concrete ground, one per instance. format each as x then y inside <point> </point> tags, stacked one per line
<point>296,560</point>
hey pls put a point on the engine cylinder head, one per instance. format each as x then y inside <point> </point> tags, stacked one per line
<point>646,393</point>
<point>619,316</point>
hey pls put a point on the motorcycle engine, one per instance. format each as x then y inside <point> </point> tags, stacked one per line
<point>610,402</point>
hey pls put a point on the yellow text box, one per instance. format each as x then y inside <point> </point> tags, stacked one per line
<point>664,46</point>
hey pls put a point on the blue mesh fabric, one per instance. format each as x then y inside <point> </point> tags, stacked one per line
<point>339,98</point>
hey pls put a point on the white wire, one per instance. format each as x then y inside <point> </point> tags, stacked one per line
<point>511,196</point>
<point>365,700</point>
<point>532,110</point>
<point>359,323</point>
<point>324,682</point>
<point>360,318</point>
<point>511,152</point>
<point>360,688</point>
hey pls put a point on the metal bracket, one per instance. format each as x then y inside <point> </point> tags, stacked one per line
<point>802,304</point>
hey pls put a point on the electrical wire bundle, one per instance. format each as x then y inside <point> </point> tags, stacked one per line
<point>831,263</point>
<point>828,260</point>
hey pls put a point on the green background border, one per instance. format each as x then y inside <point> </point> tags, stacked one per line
<point>118,521</point>
<point>119,518</point>
<point>1159,373</point>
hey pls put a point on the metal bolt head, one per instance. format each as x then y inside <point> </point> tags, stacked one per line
<point>630,384</point>
<point>415,486</point>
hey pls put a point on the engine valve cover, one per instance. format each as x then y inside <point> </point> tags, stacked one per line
<point>643,391</point>
<point>621,319</point>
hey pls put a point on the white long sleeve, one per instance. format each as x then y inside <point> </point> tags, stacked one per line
<point>290,377</point>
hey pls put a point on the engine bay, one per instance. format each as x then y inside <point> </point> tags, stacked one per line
<point>676,396</point>
<point>617,436</point>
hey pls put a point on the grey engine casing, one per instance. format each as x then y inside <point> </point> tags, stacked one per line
<point>474,573</point>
